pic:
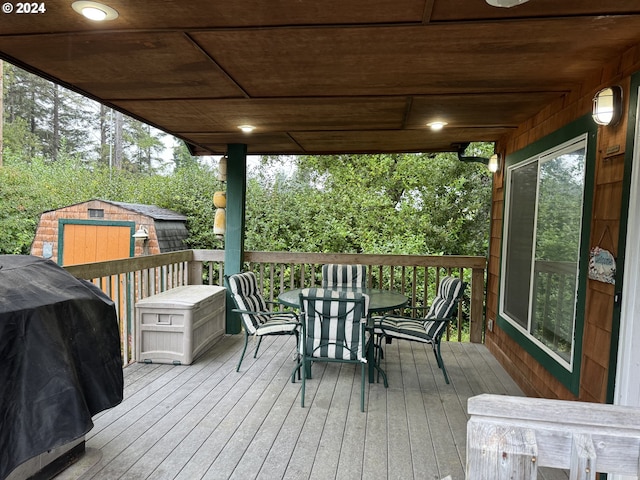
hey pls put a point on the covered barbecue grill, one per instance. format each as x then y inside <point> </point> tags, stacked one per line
<point>60,360</point>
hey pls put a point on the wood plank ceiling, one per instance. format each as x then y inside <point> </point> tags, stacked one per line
<point>330,76</point>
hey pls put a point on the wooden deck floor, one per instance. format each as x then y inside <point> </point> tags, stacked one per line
<point>207,421</point>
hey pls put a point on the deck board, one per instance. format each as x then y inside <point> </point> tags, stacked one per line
<point>205,421</point>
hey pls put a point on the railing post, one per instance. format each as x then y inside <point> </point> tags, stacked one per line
<point>500,452</point>
<point>583,458</point>
<point>476,320</point>
<point>194,275</point>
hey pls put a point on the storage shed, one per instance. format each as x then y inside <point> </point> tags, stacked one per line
<point>99,230</point>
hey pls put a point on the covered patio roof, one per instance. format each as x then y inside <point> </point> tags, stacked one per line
<point>323,77</point>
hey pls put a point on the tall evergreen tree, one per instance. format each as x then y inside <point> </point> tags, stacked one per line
<point>182,158</point>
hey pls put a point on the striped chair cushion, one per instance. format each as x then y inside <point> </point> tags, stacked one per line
<point>244,290</point>
<point>334,322</point>
<point>449,291</point>
<point>335,275</point>
<point>426,329</point>
<point>415,329</point>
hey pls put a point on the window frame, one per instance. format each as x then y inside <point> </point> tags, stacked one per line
<point>567,374</point>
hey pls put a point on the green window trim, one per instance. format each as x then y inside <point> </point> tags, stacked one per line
<point>570,378</point>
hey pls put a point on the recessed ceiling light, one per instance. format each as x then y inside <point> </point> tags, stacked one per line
<point>436,125</point>
<point>95,11</point>
<point>505,3</point>
<point>247,128</point>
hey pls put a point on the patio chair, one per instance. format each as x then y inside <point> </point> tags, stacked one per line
<point>257,319</point>
<point>336,275</point>
<point>333,330</point>
<point>429,329</point>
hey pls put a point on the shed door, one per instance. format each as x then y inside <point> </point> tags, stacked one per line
<point>84,243</point>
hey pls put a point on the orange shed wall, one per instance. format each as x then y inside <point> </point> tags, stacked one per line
<point>47,230</point>
<point>530,375</point>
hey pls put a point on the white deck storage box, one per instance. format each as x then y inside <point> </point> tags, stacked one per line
<point>177,325</point>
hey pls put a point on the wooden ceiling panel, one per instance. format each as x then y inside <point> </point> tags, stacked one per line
<point>273,115</point>
<point>257,144</point>
<point>422,140</point>
<point>405,60</point>
<point>148,65</point>
<point>206,14</point>
<point>496,109</point>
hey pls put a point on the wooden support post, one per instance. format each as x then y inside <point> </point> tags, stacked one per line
<point>500,452</point>
<point>234,236</point>
<point>583,458</point>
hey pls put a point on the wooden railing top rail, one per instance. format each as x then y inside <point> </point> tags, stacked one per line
<point>126,265</point>
<point>445,261</point>
<point>528,433</point>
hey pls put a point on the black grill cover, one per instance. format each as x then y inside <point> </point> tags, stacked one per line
<point>60,360</point>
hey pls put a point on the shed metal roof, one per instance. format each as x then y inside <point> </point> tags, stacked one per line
<point>152,211</point>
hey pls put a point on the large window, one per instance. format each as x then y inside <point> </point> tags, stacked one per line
<point>542,247</point>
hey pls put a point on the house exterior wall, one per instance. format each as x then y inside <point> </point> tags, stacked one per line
<point>47,230</point>
<point>608,196</point>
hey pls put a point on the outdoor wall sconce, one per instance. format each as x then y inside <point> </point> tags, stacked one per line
<point>607,106</point>
<point>141,234</point>
<point>494,163</point>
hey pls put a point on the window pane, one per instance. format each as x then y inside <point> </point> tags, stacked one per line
<point>557,251</point>
<point>519,242</point>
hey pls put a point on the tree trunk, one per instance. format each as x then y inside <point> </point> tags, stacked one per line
<point>55,140</point>
<point>104,152</point>
<point>117,141</point>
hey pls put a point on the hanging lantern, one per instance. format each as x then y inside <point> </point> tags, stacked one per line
<point>220,199</point>
<point>220,223</point>
<point>222,169</point>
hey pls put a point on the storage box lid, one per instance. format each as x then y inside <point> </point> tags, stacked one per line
<point>187,295</point>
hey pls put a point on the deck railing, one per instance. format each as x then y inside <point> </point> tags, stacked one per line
<point>128,280</point>
<point>512,437</point>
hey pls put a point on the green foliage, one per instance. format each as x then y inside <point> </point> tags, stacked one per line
<point>188,190</point>
<point>388,204</point>
<point>182,157</point>
<point>392,203</point>
<point>29,189</point>
<point>19,142</point>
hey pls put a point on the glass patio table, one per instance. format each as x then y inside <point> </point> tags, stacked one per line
<point>380,301</point>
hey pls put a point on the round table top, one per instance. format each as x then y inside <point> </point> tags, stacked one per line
<point>379,300</point>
